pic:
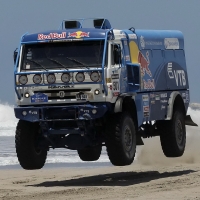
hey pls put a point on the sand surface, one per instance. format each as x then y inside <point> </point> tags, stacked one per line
<point>152,176</point>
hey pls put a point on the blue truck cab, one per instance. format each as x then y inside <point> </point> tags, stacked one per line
<point>82,88</point>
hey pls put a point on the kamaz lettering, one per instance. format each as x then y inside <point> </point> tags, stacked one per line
<point>65,86</point>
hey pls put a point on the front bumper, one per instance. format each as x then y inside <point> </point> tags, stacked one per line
<point>61,113</point>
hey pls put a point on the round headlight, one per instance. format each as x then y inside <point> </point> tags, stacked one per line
<point>97,92</point>
<point>26,94</point>
<point>23,79</point>
<point>80,77</point>
<point>37,79</point>
<point>94,76</point>
<point>65,77</point>
<point>51,78</point>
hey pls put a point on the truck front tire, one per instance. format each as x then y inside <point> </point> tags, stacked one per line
<point>90,153</point>
<point>29,155</point>
<point>173,135</point>
<point>121,139</point>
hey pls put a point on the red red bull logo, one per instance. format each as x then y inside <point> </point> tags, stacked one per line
<point>78,34</point>
<point>144,64</point>
<point>52,36</point>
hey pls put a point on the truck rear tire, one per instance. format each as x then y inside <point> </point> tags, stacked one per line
<point>173,135</point>
<point>121,139</point>
<point>90,153</point>
<point>29,155</point>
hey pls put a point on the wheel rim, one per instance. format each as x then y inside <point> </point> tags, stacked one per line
<point>128,138</point>
<point>179,133</point>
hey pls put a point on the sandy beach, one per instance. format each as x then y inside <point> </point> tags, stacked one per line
<point>151,176</point>
<point>132,182</point>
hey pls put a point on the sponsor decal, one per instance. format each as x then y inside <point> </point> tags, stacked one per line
<point>171,43</point>
<point>152,102</point>
<point>115,84</point>
<point>127,58</point>
<point>145,97</point>
<point>152,95</point>
<point>33,112</point>
<point>178,75</point>
<point>163,101</point>
<point>187,97</point>
<point>149,84</point>
<point>142,42</point>
<point>162,107</point>
<point>115,76</point>
<point>132,36</point>
<point>52,36</point>
<point>157,97</point>
<point>122,34</point>
<point>108,80</point>
<point>169,71</point>
<point>115,94</point>
<point>163,95</point>
<point>153,43</point>
<point>78,34</point>
<point>146,111</point>
<point>39,97</point>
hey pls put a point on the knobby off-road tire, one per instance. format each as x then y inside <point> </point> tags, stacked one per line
<point>90,153</point>
<point>121,139</point>
<point>173,135</point>
<point>29,156</point>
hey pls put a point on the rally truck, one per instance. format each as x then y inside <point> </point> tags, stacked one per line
<point>87,85</point>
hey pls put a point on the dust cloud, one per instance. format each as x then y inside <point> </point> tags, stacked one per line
<point>151,152</point>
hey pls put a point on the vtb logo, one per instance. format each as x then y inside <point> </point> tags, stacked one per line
<point>179,75</point>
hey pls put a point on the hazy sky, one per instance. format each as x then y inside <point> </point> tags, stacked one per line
<point>20,16</point>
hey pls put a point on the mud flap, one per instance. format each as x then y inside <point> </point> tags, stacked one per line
<point>189,122</point>
<point>139,140</point>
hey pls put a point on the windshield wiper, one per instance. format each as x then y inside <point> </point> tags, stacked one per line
<point>77,61</point>
<point>57,62</point>
<point>33,61</point>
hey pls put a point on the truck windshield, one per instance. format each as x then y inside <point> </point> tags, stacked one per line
<point>79,54</point>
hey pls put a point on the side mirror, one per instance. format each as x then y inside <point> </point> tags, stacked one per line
<point>15,55</point>
<point>117,54</point>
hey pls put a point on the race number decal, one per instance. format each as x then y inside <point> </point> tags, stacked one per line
<point>115,84</point>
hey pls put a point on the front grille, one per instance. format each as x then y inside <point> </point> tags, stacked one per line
<point>69,94</point>
<point>66,91</point>
<point>62,113</point>
<point>57,97</point>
